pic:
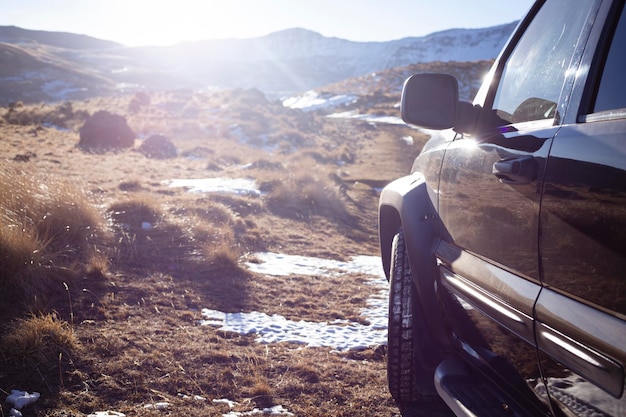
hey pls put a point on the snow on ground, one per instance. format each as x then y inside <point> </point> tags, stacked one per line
<point>277,410</point>
<point>19,399</point>
<point>370,118</point>
<point>217,185</point>
<point>339,335</point>
<point>312,100</point>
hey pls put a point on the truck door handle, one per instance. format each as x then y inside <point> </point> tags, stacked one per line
<point>517,170</point>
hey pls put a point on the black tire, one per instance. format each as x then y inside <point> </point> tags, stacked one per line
<point>410,381</point>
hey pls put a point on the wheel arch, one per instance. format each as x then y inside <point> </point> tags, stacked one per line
<point>406,203</point>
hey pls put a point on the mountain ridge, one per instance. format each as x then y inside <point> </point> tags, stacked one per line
<point>279,64</point>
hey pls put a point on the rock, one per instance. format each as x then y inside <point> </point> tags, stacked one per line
<point>104,131</point>
<point>158,147</point>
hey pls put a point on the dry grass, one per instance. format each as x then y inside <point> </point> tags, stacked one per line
<point>49,234</point>
<point>62,115</point>
<point>132,261</point>
<point>40,349</point>
<point>305,191</point>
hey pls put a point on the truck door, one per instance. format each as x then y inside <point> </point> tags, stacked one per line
<point>581,312</point>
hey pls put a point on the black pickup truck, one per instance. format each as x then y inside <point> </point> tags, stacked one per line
<point>505,245</point>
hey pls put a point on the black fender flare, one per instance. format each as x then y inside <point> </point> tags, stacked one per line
<point>408,203</point>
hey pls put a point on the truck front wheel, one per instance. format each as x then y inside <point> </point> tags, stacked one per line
<point>409,381</point>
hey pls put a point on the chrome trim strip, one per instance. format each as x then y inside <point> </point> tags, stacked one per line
<point>518,293</point>
<point>571,347</point>
<point>481,298</point>
<point>507,316</point>
<point>601,370</point>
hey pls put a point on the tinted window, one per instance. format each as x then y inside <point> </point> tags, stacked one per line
<point>533,76</point>
<point>612,89</point>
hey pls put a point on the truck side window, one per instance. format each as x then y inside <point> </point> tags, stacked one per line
<point>533,76</point>
<point>611,93</point>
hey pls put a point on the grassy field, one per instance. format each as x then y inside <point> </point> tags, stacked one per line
<point>100,312</point>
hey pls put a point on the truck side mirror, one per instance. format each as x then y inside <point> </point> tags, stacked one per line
<point>430,100</point>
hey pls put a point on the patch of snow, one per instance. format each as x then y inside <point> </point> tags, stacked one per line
<point>277,410</point>
<point>194,398</point>
<point>127,86</point>
<point>56,127</point>
<point>370,118</point>
<point>242,186</point>
<point>107,414</point>
<point>408,140</point>
<point>20,399</point>
<point>161,406</point>
<point>278,264</point>
<point>312,100</point>
<point>339,335</point>
<point>228,402</point>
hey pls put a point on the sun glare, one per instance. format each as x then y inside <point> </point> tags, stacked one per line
<point>147,22</point>
<point>166,23</point>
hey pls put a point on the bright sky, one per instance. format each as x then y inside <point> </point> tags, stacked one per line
<point>158,22</point>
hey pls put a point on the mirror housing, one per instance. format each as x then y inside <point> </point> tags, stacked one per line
<point>430,101</point>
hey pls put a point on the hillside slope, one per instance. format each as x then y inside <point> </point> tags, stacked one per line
<point>14,34</point>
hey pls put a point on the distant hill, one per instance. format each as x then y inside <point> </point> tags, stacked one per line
<point>14,34</point>
<point>54,66</point>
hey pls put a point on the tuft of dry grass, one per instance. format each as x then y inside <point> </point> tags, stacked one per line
<point>48,231</point>
<point>136,211</point>
<point>306,190</point>
<point>42,345</point>
<point>224,256</point>
<point>261,393</point>
<point>38,340</point>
